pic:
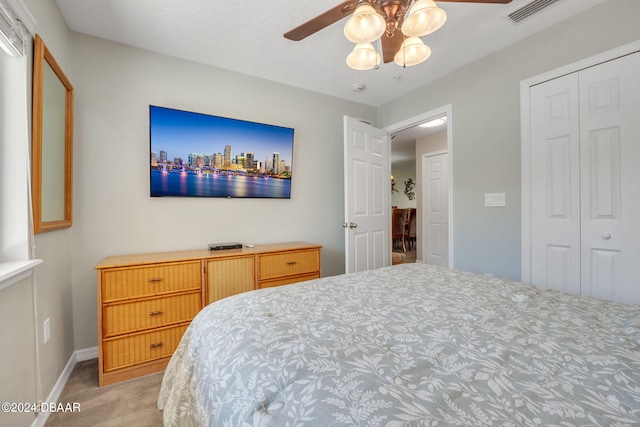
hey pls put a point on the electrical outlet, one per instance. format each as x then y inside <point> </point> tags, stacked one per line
<point>47,330</point>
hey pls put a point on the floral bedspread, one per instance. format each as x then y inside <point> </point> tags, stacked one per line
<point>408,345</point>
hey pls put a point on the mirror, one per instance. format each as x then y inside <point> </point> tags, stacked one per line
<point>52,151</point>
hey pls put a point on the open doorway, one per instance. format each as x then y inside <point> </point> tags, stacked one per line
<point>422,189</point>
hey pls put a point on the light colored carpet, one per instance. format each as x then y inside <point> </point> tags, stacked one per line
<point>128,403</point>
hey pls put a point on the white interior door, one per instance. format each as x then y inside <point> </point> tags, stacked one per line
<point>435,203</point>
<point>367,192</point>
<point>555,184</point>
<point>585,170</point>
<point>610,179</point>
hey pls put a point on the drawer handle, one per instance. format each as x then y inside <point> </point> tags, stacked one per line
<point>156,345</point>
<point>155,313</point>
<point>155,279</point>
<point>292,262</point>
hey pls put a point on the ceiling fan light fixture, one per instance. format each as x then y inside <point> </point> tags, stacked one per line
<point>412,52</point>
<point>424,18</point>
<point>365,25</point>
<point>371,20</point>
<point>363,57</point>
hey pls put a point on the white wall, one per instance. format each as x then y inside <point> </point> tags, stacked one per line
<point>18,376</point>
<point>114,85</point>
<point>485,103</point>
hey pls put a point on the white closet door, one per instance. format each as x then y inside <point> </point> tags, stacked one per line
<point>555,184</point>
<point>610,179</point>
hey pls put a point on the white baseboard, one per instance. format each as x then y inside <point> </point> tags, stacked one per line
<point>86,354</point>
<point>77,356</point>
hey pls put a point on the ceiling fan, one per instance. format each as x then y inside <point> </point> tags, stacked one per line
<point>391,21</point>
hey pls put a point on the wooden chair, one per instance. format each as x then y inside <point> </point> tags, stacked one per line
<point>398,225</point>
<point>411,228</point>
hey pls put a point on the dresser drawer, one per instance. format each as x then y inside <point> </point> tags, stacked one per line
<point>143,347</point>
<point>137,282</point>
<point>281,264</point>
<point>136,316</point>
<point>288,280</point>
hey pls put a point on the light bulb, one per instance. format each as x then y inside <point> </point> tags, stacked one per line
<point>412,52</point>
<point>363,57</point>
<point>365,26</point>
<point>424,18</point>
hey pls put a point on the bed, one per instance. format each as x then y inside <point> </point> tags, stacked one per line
<point>407,345</point>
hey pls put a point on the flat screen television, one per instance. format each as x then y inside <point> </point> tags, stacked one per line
<point>201,155</point>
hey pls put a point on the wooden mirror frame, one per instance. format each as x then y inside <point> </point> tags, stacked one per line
<point>41,58</point>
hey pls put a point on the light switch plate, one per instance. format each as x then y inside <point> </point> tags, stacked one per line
<point>494,200</point>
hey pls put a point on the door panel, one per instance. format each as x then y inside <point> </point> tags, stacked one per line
<point>604,270</point>
<point>367,192</point>
<point>555,184</point>
<point>359,245</point>
<point>359,181</point>
<point>604,174</point>
<point>436,209</point>
<point>610,177</point>
<point>558,178</point>
<point>558,266</point>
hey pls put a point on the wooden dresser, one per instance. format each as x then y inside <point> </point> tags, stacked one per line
<point>146,301</point>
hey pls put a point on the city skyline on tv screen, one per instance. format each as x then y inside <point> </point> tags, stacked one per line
<point>191,151</point>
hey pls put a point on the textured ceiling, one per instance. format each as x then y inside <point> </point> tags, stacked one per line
<point>247,37</point>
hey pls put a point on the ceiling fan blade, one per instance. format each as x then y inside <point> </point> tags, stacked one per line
<point>321,21</point>
<point>391,46</point>
<point>475,1</point>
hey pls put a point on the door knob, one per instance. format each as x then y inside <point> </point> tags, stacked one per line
<point>353,225</point>
<point>606,236</point>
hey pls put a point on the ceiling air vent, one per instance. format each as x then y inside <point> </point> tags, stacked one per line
<point>529,9</point>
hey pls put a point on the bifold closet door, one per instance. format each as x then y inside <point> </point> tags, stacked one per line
<point>555,184</point>
<point>610,179</point>
<point>585,181</point>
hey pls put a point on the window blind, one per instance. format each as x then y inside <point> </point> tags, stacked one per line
<point>12,34</point>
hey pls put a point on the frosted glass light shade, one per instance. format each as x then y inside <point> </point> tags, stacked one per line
<point>412,52</point>
<point>365,25</point>
<point>363,57</point>
<point>424,18</point>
